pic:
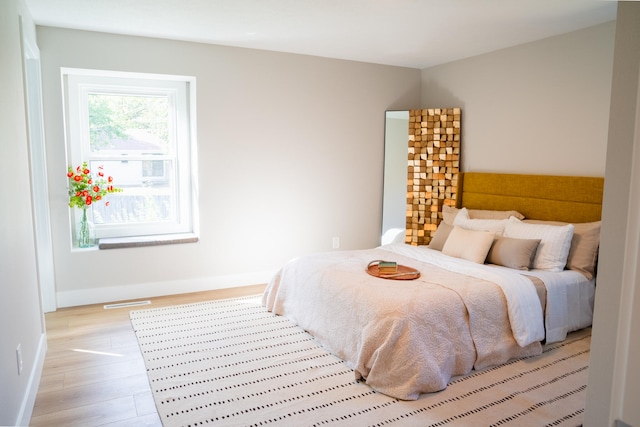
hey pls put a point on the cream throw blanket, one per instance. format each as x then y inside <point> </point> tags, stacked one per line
<point>403,337</point>
<point>525,315</point>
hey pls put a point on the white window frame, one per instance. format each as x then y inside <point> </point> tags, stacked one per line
<point>78,83</point>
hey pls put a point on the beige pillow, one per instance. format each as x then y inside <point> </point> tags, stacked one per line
<point>440,236</point>
<point>449,213</point>
<point>471,245</point>
<point>513,253</point>
<point>583,255</point>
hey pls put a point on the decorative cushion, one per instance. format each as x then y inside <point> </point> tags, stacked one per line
<point>471,245</point>
<point>495,226</point>
<point>440,236</point>
<point>513,253</point>
<point>555,242</point>
<point>583,255</point>
<point>449,213</point>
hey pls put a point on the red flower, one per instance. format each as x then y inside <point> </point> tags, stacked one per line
<point>84,189</point>
<point>106,203</point>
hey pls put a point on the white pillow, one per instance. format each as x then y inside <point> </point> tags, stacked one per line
<point>471,245</point>
<point>555,242</point>
<point>496,226</point>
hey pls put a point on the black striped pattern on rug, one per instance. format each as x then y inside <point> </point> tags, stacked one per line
<point>230,362</point>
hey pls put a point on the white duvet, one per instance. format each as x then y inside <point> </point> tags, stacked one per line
<point>405,338</point>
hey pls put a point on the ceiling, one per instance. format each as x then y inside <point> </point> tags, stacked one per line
<point>408,33</point>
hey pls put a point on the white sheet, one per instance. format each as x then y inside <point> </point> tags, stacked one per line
<point>570,297</point>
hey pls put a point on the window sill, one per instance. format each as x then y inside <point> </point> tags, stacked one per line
<point>141,241</point>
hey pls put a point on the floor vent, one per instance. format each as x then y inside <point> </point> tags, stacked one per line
<point>126,304</point>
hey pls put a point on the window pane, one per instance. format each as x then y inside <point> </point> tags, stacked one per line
<point>138,127</point>
<point>148,192</point>
<point>128,123</point>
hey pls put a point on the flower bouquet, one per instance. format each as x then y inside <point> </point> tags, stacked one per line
<point>84,190</point>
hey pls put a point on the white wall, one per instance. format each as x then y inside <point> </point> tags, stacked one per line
<point>541,107</point>
<point>290,155</point>
<point>20,311</point>
<point>614,374</point>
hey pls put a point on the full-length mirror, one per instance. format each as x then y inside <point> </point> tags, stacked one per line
<point>394,206</point>
<point>422,163</point>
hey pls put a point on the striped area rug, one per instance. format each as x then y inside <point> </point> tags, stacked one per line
<point>232,363</point>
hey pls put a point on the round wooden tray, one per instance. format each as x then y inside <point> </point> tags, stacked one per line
<point>403,273</point>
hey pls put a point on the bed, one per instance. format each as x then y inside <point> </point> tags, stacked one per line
<point>511,266</point>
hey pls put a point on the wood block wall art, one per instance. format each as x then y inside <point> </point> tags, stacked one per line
<point>433,169</point>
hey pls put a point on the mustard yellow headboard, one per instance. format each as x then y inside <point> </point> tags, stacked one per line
<point>545,197</point>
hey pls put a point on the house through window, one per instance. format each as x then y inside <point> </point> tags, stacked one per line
<point>138,128</point>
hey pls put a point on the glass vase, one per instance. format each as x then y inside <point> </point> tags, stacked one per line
<point>86,237</point>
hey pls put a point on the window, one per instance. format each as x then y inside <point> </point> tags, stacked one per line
<point>140,129</point>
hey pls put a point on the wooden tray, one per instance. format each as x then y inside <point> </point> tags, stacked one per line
<point>403,273</point>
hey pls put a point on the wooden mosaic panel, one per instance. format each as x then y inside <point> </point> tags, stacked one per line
<point>434,166</point>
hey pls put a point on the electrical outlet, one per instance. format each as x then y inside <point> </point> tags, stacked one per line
<point>336,243</point>
<point>19,358</point>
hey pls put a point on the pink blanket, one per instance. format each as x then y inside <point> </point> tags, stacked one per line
<point>403,338</point>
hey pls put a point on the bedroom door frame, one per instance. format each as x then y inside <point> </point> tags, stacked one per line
<point>38,170</point>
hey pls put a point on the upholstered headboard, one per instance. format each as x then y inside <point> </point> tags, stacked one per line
<point>545,197</point>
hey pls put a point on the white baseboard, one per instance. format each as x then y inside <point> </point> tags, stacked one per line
<point>29,399</point>
<point>154,289</point>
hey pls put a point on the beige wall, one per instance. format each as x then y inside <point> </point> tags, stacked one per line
<point>290,154</point>
<point>541,107</point>
<point>20,312</point>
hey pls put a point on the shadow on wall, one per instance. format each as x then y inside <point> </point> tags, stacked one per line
<point>436,95</point>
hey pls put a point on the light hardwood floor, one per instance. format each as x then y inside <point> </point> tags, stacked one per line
<point>94,374</point>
